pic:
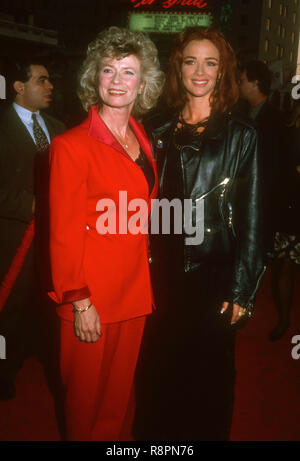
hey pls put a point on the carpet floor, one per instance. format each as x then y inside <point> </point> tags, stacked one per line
<point>267,402</point>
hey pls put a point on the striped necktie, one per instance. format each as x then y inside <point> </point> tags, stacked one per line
<point>41,140</point>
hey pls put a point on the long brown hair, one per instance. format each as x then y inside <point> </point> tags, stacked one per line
<point>226,92</point>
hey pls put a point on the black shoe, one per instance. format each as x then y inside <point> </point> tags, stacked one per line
<point>279,331</point>
<point>7,390</point>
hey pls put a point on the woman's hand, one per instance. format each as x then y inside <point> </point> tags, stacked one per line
<point>87,325</point>
<point>238,312</point>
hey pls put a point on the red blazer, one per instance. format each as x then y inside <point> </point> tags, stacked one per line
<point>88,164</point>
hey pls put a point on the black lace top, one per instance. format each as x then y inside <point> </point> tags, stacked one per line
<point>143,162</point>
<point>173,188</point>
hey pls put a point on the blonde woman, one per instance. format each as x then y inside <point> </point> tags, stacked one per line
<point>101,280</point>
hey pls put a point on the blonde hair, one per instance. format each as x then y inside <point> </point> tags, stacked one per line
<point>118,43</point>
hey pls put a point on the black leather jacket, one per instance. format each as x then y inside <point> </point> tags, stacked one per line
<point>221,168</point>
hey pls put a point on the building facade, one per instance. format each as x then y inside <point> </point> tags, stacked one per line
<point>268,30</point>
<point>279,34</point>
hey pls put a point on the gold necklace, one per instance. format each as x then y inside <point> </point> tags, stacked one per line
<point>125,145</point>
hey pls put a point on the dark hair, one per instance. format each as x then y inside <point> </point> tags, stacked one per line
<point>258,70</point>
<point>226,92</point>
<point>19,70</point>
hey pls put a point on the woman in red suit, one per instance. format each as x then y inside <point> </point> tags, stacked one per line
<point>100,269</point>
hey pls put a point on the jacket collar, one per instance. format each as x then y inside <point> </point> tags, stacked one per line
<point>98,130</point>
<point>16,130</point>
<point>217,126</point>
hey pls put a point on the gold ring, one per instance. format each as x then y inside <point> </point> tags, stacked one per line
<point>241,313</point>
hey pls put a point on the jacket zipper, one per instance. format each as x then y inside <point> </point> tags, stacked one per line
<point>223,183</point>
<point>250,303</point>
<point>186,250</point>
<point>230,223</point>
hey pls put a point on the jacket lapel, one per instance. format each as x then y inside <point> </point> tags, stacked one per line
<point>16,130</point>
<point>50,126</point>
<point>98,130</point>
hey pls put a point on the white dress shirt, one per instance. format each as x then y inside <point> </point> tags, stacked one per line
<point>26,117</point>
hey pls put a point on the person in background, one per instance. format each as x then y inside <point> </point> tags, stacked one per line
<point>255,87</point>
<point>287,236</point>
<point>101,279</point>
<point>276,145</point>
<point>208,155</point>
<point>25,134</point>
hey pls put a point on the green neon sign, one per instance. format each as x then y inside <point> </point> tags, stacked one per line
<point>166,23</point>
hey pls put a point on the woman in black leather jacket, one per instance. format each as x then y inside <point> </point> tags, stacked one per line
<point>206,281</point>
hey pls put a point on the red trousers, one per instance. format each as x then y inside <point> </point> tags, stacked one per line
<point>98,380</point>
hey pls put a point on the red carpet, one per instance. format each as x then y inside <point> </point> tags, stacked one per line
<point>267,405</point>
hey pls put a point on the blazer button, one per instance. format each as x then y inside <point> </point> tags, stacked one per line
<point>87,228</point>
<point>150,260</point>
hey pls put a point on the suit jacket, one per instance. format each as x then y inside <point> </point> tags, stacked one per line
<point>18,154</point>
<point>88,165</point>
<point>270,129</point>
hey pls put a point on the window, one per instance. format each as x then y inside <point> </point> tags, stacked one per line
<point>244,20</point>
<point>279,29</point>
<point>280,9</point>
<point>266,46</point>
<point>283,32</point>
<point>282,52</point>
<point>291,56</point>
<point>285,11</point>
<point>268,24</point>
<point>270,3</point>
<point>293,37</point>
<point>294,18</point>
<point>277,51</point>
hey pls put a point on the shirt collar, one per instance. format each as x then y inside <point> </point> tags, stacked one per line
<point>254,111</point>
<point>24,114</point>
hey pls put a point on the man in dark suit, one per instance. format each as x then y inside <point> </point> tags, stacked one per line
<point>25,134</point>
<point>255,84</point>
